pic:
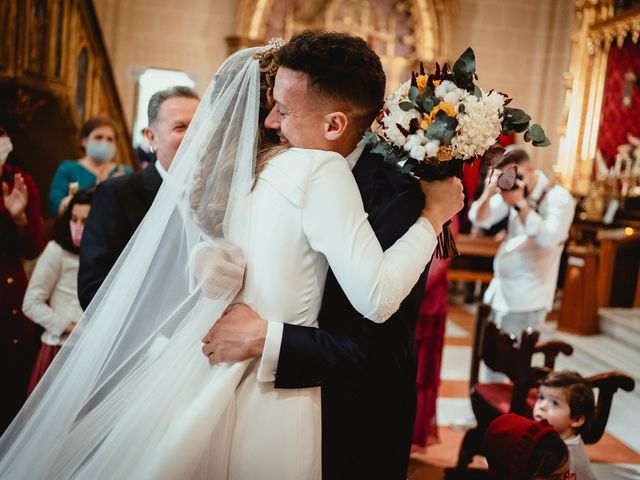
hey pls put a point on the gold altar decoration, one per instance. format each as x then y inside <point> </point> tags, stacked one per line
<point>52,55</point>
<point>402,32</point>
<point>596,27</point>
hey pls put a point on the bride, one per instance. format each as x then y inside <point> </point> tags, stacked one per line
<point>130,395</point>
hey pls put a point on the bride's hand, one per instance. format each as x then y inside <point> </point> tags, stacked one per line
<point>442,200</point>
<point>219,271</point>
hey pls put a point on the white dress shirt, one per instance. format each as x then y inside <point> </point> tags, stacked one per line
<point>51,299</point>
<point>525,269</point>
<point>578,459</point>
<point>163,173</point>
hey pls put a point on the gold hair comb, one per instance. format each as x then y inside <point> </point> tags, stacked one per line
<point>267,58</point>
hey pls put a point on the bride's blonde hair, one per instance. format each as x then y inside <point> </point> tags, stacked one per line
<point>209,213</point>
<point>268,143</point>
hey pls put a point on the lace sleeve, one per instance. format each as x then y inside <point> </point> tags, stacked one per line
<point>336,224</point>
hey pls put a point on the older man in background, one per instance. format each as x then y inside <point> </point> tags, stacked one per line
<point>121,203</point>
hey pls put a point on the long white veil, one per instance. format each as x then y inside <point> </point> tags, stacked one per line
<point>150,314</point>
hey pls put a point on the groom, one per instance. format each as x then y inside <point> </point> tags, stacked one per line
<point>328,90</point>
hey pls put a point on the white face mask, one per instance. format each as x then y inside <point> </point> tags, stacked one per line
<point>101,151</point>
<point>6,147</point>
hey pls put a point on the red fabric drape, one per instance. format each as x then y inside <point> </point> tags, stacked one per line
<point>430,331</point>
<point>617,121</point>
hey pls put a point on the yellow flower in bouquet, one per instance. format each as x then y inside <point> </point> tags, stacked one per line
<point>421,80</point>
<point>446,107</point>
<point>427,119</point>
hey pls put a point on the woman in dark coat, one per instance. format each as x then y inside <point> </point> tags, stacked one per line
<point>20,238</point>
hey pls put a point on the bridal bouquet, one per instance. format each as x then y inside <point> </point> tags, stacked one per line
<point>435,122</point>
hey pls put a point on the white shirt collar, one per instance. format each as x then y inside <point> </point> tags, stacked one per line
<point>353,157</point>
<point>576,440</point>
<point>163,173</point>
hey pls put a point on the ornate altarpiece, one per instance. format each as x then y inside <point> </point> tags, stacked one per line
<point>600,25</point>
<point>402,32</point>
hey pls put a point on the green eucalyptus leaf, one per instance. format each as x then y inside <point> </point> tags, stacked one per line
<point>534,133</point>
<point>543,143</point>
<point>464,70</point>
<point>429,103</point>
<point>369,138</point>
<point>380,148</point>
<point>477,92</point>
<point>406,106</point>
<point>524,120</point>
<point>413,94</point>
<point>443,128</point>
<point>517,116</point>
<point>520,127</point>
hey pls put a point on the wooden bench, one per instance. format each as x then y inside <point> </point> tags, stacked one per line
<point>471,246</point>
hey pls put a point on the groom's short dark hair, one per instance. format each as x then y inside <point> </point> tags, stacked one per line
<point>340,66</point>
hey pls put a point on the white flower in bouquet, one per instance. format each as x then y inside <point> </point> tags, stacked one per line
<point>418,152</point>
<point>393,117</point>
<point>432,148</point>
<point>415,140</point>
<point>397,96</point>
<point>445,87</point>
<point>480,125</point>
<point>455,96</point>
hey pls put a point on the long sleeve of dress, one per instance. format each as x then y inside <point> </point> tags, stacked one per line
<point>335,224</point>
<point>46,275</point>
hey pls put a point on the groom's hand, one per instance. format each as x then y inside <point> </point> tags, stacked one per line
<point>238,335</point>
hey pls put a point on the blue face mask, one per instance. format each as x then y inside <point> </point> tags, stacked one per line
<point>101,151</point>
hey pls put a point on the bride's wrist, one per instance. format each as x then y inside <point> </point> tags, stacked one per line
<point>429,216</point>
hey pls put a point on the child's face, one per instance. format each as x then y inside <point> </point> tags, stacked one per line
<point>552,405</point>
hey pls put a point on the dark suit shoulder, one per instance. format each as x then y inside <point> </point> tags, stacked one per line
<point>398,181</point>
<point>130,181</point>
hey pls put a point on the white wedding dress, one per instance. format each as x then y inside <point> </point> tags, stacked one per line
<point>134,400</point>
<point>221,423</point>
<point>307,210</point>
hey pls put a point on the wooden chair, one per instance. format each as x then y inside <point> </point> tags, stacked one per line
<point>606,384</point>
<point>503,353</point>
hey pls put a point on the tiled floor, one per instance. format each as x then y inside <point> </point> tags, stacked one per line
<point>616,456</point>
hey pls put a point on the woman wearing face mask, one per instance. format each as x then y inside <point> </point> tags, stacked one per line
<point>51,299</point>
<point>20,238</point>
<point>98,136</point>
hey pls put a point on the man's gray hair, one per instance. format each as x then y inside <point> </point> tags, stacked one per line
<point>159,97</point>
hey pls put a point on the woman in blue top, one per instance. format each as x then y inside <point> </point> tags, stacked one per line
<point>98,136</point>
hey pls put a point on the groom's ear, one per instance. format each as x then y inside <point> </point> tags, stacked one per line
<point>335,125</point>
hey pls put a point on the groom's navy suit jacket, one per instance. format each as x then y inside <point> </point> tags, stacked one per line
<point>367,371</point>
